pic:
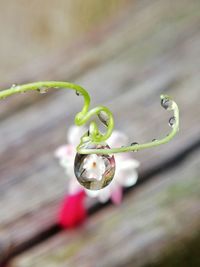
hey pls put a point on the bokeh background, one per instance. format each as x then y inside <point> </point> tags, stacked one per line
<point>125,53</point>
<point>34,30</point>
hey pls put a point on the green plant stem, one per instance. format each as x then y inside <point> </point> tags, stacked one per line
<point>138,147</point>
<point>82,117</point>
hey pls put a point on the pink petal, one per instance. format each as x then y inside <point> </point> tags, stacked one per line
<point>73,211</point>
<point>117,195</point>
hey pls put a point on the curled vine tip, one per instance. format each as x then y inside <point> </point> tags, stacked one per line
<point>96,171</point>
<point>94,136</point>
<point>168,104</point>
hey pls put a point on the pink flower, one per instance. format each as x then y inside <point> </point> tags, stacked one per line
<point>72,211</point>
<point>126,167</point>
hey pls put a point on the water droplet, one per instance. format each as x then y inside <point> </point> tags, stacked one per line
<point>172,121</point>
<point>103,117</point>
<point>94,171</point>
<point>134,144</point>
<point>77,93</point>
<point>166,103</point>
<point>154,140</point>
<point>14,85</point>
<point>42,90</point>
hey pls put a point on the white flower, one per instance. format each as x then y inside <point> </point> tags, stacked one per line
<point>126,167</point>
<point>94,166</point>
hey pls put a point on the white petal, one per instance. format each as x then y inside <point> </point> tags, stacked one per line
<point>69,170</point>
<point>66,151</point>
<point>104,194</point>
<point>94,174</point>
<point>60,152</point>
<point>74,186</point>
<point>117,139</point>
<point>94,171</point>
<point>128,164</point>
<point>92,193</point>
<point>64,163</point>
<point>127,178</point>
<point>89,160</point>
<point>74,135</point>
<point>92,158</point>
<point>100,165</point>
<point>66,155</point>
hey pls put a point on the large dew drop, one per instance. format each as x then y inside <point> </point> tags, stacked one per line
<point>94,171</point>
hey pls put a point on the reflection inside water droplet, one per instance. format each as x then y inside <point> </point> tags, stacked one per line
<point>172,121</point>
<point>166,103</point>
<point>42,90</point>
<point>14,85</point>
<point>94,171</point>
<point>77,93</point>
<point>134,144</point>
<point>103,117</point>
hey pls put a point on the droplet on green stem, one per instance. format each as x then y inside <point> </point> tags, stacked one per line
<point>172,121</point>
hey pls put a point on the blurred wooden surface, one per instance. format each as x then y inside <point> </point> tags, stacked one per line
<point>151,48</point>
<point>38,29</point>
<point>162,215</point>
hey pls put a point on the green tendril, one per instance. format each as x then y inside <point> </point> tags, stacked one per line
<point>103,113</point>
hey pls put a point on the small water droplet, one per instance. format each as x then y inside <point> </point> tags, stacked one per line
<point>154,140</point>
<point>94,171</point>
<point>172,121</point>
<point>166,103</point>
<point>14,85</point>
<point>103,117</point>
<point>77,93</point>
<point>134,144</point>
<point>42,90</point>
